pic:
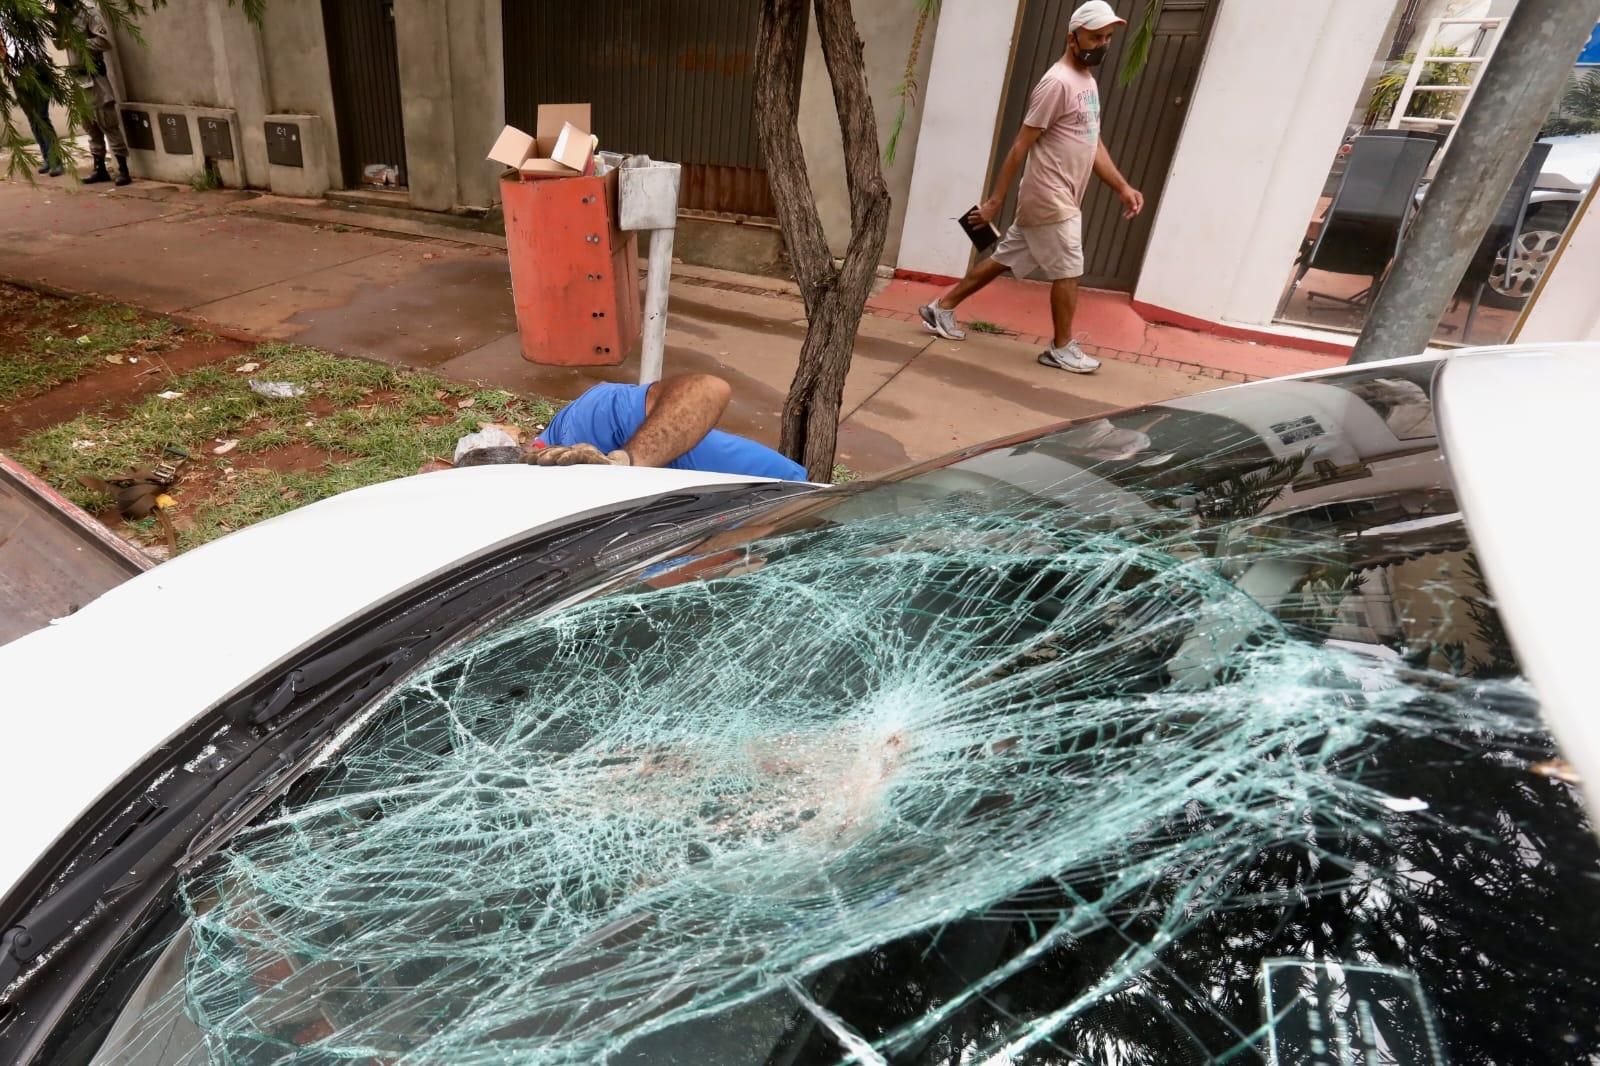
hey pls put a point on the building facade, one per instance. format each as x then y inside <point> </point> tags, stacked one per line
<point>1236,130</point>
<point>399,100</point>
<point>1239,131</point>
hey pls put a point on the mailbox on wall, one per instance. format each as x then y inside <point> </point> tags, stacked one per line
<point>284,146</point>
<point>296,154</point>
<point>175,138</point>
<point>216,138</point>
<point>187,133</point>
<point>136,124</point>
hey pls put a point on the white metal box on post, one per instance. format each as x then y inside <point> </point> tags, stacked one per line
<point>647,199</point>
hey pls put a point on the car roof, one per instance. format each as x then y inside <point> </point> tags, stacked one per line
<point>91,694</point>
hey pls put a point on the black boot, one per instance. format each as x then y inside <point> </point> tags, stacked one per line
<point>123,177</point>
<point>100,174</point>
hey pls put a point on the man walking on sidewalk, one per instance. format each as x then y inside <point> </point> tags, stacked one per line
<point>94,76</point>
<point>1060,142</point>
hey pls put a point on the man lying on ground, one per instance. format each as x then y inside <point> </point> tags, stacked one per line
<point>669,424</point>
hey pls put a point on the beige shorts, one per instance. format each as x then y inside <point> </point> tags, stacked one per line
<point>1054,250</point>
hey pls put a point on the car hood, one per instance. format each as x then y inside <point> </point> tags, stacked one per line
<point>171,643</point>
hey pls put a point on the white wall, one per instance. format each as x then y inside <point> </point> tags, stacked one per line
<point>886,28</point>
<point>1566,308</point>
<point>1270,108</point>
<point>959,112</point>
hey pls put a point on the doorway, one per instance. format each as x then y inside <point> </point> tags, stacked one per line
<point>364,64</point>
<point>1140,122</point>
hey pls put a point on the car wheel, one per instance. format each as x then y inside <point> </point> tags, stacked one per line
<point>1535,247</point>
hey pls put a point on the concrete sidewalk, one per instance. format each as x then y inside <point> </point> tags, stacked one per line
<point>438,298</point>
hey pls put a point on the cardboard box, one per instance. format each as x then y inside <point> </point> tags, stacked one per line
<point>561,148</point>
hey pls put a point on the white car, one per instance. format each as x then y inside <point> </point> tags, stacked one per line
<point>1220,728</point>
<point>1569,171</point>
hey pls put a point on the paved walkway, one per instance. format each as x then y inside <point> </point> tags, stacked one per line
<point>434,297</point>
<point>1108,327</point>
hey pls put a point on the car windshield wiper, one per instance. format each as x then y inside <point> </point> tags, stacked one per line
<point>102,881</point>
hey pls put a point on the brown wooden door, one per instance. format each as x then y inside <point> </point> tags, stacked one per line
<point>364,64</point>
<point>1139,123</point>
<point>673,79</point>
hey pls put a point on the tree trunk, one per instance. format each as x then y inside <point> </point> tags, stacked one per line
<point>834,296</point>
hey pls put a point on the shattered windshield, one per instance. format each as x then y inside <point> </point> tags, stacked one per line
<point>1187,735</point>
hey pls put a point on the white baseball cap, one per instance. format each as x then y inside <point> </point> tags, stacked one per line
<point>1094,15</point>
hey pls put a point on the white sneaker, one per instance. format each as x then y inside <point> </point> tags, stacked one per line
<point>1069,358</point>
<point>936,319</point>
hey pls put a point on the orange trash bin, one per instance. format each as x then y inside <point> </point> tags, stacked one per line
<point>574,274</point>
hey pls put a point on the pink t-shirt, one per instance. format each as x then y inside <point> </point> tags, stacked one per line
<point>1066,105</point>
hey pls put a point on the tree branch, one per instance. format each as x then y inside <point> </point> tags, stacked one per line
<point>834,296</point>
<point>780,51</point>
<point>842,52</point>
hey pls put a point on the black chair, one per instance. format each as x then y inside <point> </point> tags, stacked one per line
<point>1502,235</point>
<point>1434,137</point>
<point>1362,230</point>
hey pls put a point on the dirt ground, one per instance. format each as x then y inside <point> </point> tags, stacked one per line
<point>92,390</point>
<point>143,367</point>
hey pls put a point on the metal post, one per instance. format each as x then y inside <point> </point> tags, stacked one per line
<point>655,305</point>
<point>647,199</point>
<point>1518,86</point>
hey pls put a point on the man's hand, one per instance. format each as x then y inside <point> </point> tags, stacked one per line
<point>1132,201</point>
<point>578,455</point>
<point>989,210</point>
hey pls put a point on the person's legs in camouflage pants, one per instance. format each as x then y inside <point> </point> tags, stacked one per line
<point>105,129</point>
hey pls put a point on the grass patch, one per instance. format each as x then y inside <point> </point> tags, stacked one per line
<point>380,422</point>
<point>980,326</point>
<point>54,356</point>
<point>843,475</point>
<point>205,180</point>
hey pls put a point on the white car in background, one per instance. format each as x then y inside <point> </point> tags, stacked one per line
<point>1569,170</point>
<point>1247,725</point>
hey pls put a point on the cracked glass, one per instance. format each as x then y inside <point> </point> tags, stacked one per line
<point>1186,735</point>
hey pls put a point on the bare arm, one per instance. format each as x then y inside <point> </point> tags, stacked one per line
<point>989,210</point>
<point>679,412</point>
<point>1106,171</point>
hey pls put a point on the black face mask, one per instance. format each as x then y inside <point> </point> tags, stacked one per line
<point>1089,57</point>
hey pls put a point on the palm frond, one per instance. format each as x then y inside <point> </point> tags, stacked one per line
<point>906,91</point>
<point>1139,44</point>
<point>1582,96</point>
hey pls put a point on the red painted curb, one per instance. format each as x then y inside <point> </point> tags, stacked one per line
<point>70,512</point>
<point>1167,317</point>
<point>917,275</point>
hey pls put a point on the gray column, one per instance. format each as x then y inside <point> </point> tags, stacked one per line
<point>422,35</point>
<point>242,80</point>
<point>477,77</point>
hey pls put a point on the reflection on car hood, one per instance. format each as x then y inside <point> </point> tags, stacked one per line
<point>91,694</point>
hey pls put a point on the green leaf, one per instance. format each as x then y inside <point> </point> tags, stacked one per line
<point>1138,53</point>
<point>906,91</point>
